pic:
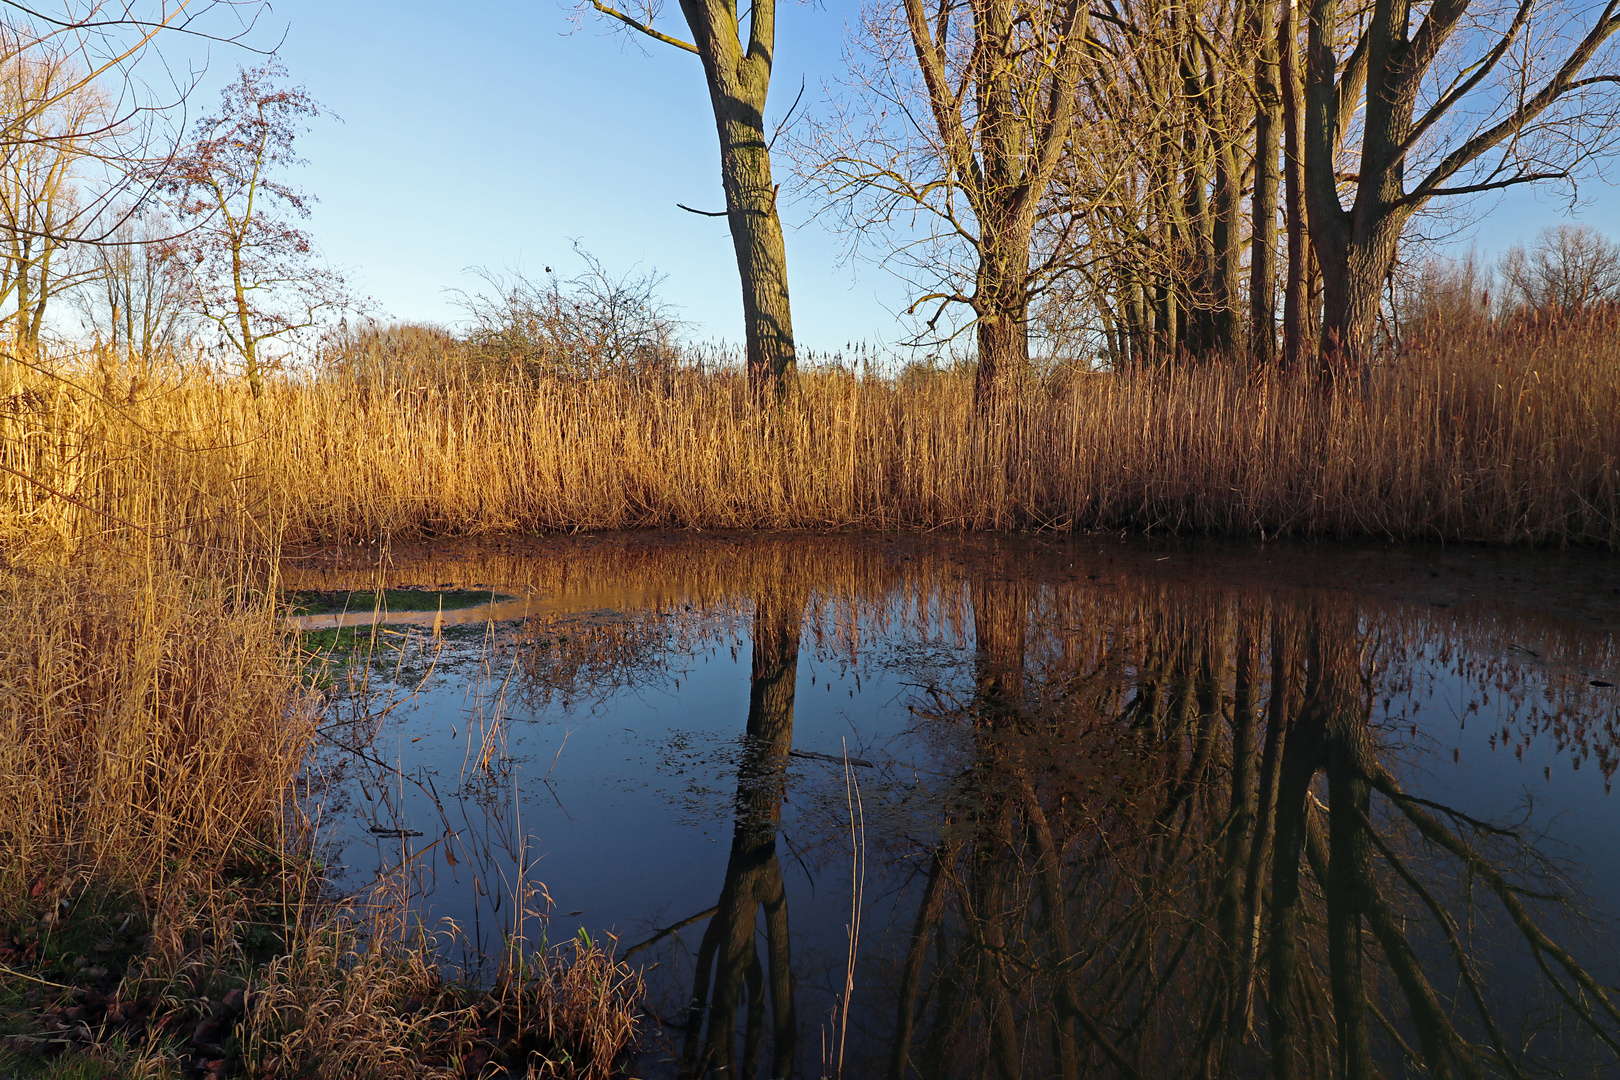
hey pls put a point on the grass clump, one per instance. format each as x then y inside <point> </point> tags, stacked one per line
<point>345,1004</point>
<point>156,713</point>
<point>157,917</point>
<point>150,728</point>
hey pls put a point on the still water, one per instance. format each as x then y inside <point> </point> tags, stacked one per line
<point>950,807</point>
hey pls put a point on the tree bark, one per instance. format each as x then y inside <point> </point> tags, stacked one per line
<point>1263,243</point>
<point>738,82</point>
<point>1297,331</point>
<point>1002,304</point>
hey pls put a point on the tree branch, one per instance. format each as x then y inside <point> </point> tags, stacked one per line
<point>637,24</point>
<point>1560,84</point>
<point>1422,195</point>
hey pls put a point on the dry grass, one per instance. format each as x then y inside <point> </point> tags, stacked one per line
<point>1486,438</point>
<point>149,727</point>
<point>1481,434</point>
<point>343,1004</point>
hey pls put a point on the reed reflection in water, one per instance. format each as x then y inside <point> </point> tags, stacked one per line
<point>1141,822</point>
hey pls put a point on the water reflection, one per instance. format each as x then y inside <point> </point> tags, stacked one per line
<point>1132,820</point>
<point>730,976</point>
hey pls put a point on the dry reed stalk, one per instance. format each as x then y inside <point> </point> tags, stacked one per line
<point>857,898</point>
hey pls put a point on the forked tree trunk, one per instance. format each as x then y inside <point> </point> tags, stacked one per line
<point>1004,153</point>
<point>1353,270</point>
<point>739,78</point>
<point>1392,63</point>
<point>1355,248</point>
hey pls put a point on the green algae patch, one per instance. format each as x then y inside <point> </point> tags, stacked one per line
<point>392,600</point>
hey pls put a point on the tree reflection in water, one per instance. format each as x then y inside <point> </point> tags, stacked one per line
<point>730,977</point>
<point>1170,842</point>
<point>1160,826</point>
<point>1159,865</point>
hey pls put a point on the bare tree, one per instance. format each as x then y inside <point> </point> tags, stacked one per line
<point>40,212</point>
<point>253,274</point>
<point>1481,95</point>
<point>737,67</point>
<point>964,119</point>
<point>1570,267</point>
<point>135,298</point>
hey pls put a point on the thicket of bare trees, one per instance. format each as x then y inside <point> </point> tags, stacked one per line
<point>41,213</point>
<point>134,300</point>
<point>153,235</point>
<point>1569,268</point>
<point>589,326</point>
<point>1168,179</point>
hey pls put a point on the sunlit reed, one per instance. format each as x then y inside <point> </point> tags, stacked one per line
<point>1479,435</point>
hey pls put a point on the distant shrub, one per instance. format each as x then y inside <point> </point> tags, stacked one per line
<point>590,326</point>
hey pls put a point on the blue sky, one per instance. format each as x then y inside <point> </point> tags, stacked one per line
<point>492,134</point>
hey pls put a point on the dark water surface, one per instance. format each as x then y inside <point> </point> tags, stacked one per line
<point>1091,808</point>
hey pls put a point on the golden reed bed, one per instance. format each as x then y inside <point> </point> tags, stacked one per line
<point>1477,435</point>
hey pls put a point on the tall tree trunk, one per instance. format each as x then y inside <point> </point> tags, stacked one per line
<point>24,297</point>
<point>1198,330</point>
<point>1227,237</point>
<point>1268,118</point>
<point>250,344</point>
<point>35,318</point>
<point>756,235</point>
<point>1006,211</point>
<point>1297,331</point>
<point>739,78</point>
<point>1169,313</point>
<point>1001,301</point>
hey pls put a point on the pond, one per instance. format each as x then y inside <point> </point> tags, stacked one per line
<point>950,806</point>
